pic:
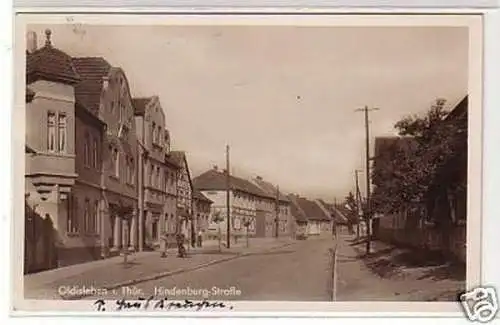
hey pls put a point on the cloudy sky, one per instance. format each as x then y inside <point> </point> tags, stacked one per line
<point>282,97</point>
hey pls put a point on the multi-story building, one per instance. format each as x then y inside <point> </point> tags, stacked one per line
<point>104,90</point>
<point>201,210</point>
<point>185,221</point>
<point>63,175</point>
<point>245,199</point>
<point>278,205</point>
<point>157,171</point>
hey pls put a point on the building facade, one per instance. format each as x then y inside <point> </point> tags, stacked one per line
<point>157,172</point>
<point>104,90</point>
<point>277,209</point>
<point>185,220</point>
<point>252,210</point>
<point>201,211</point>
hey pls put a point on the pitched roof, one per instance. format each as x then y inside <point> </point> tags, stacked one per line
<point>270,189</point>
<point>296,210</point>
<point>216,180</point>
<point>49,63</point>
<point>459,110</point>
<point>140,104</point>
<point>312,210</point>
<point>178,157</point>
<point>384,145</point>
<point>337,215</point>
<point>197,195</point>
<point>92,71</point>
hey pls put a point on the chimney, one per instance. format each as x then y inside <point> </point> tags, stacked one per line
<point>259,178</point>
<point>215,167</point>
<point>31,41</point>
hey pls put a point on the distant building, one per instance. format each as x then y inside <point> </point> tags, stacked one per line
<point>318,220</point>
<point>299,222</point>
<point>201,211</point>
<point>269,205</point>
<point>244,199</point>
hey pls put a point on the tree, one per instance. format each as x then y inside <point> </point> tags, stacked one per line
<point>405,174</point>
<point>217,218</point>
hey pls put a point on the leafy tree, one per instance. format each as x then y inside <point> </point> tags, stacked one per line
<point>217,218</point>
<point>405,175</point>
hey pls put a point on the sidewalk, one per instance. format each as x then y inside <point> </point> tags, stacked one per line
<point>112,273</point>
<point>393,274</point>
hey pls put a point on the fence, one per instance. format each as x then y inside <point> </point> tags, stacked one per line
<point>395,229</point>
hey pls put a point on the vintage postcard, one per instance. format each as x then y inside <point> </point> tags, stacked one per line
<point>178,164</point>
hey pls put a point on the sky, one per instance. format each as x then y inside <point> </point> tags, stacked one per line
<point>282,97</point>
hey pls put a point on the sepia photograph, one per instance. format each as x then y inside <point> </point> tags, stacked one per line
<point>210,163</point>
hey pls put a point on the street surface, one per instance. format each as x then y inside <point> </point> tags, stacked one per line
<point>300,272</point>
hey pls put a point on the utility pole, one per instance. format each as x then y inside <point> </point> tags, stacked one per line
<point>358,201</point>
<point>277,209</point>
<point>367,153</point>
<point>228,193</point>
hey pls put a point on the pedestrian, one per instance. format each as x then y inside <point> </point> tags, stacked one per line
<point>181,250</point>
<point>200,233</point>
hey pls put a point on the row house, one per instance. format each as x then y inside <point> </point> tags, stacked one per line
<point>81,174</point>
<point>243,201</point>
<point>157,172</point>
<point>277,210</point>
<point>100,177</point>
<point>201,211</point>
<point>257,207</point>
<point>184,207</point>
<point>311,216</point>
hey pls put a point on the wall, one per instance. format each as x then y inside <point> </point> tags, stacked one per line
<point>424,236</point>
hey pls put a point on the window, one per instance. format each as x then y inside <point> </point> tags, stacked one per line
<point>132,171</point>
<point>159,136</point>
<point>166,180</point>
<point>116,162</point>
<point>86,216</point>
<point>86,151</point>
<point>95,157</point>
<point>51,132</point>
<point>62,132</point>
<point>97,217</point>
<point>151,175</point>
<point>153,133</point>
<point>72,222</point>
<point>127,170</point>
<point>154,229</point>
<point>158,177</point>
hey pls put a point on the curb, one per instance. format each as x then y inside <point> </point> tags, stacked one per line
<point>174,272</point>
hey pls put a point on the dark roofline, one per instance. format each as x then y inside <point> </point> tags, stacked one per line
<point>82,112</point>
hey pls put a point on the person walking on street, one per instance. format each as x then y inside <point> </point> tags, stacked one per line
<point>200,233</point>
<point>180,245</point>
